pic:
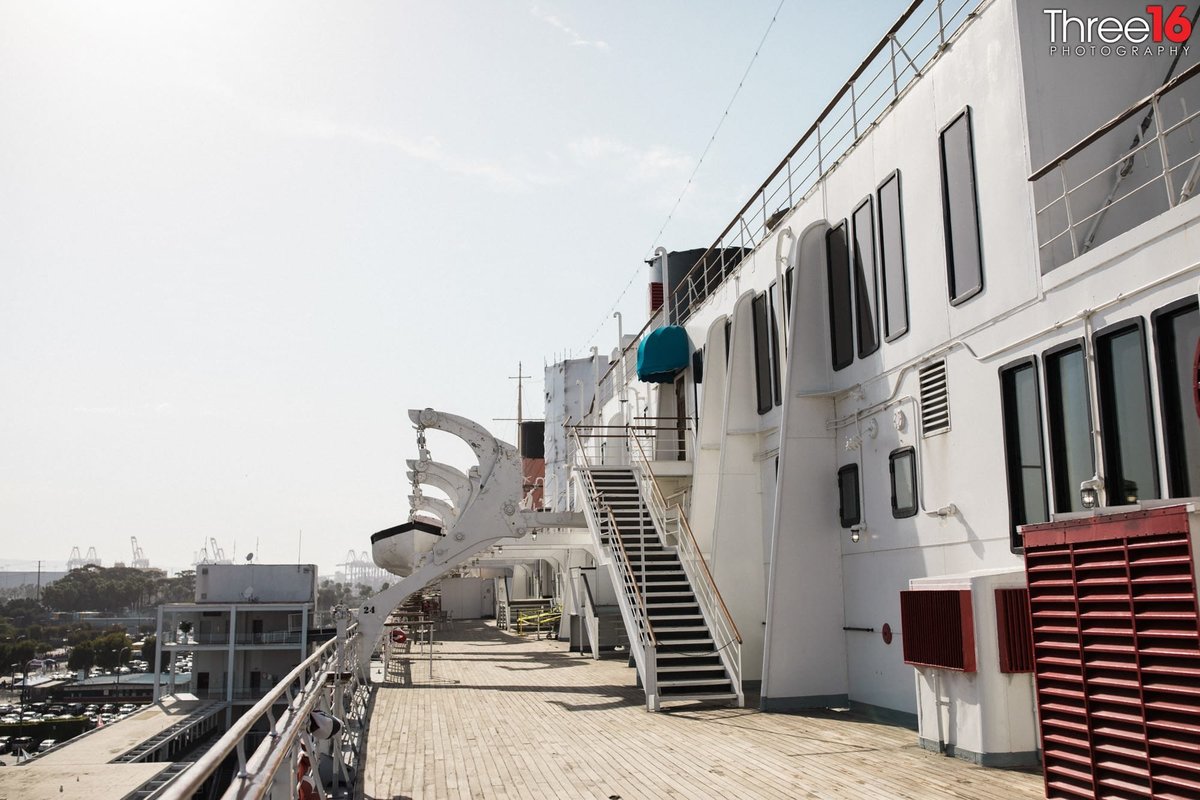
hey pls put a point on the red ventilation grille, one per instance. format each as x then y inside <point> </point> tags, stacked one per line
<point>1117,655</point>
<point>656,296</point>
<point>1014,630</point>
<point>939,629</point>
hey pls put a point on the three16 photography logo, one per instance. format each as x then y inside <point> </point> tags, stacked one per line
<point>1158,30</point>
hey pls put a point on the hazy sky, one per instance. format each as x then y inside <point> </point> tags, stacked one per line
<point>238,240</point>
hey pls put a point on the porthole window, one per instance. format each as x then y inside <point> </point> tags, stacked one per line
<point>902,464</point>
<point>849,507</point>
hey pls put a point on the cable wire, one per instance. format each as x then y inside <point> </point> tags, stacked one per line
<point>683,192</point>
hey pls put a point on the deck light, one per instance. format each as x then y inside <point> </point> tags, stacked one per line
<point>1089,492</point>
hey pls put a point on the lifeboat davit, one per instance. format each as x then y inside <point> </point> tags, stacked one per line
<point>399,549</point>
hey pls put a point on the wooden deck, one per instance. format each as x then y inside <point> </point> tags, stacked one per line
<point>509,717</point>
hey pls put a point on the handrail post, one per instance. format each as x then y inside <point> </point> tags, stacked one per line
<point>1162,150</point>
<point>1062,171</point>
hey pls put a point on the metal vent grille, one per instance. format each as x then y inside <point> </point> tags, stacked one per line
<point>939,628</point>
<point>1117,655</point>
<point>935,399</point>
<point>1014,630</point>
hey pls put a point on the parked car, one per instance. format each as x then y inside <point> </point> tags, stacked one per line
<point>108,708</point>
<point>22,743</point>
<point>5,741</point>
<point>46,745</point>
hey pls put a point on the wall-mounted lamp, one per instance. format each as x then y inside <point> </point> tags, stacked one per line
<point>856,532</point>
<point>533,536</point>
<point>499,549</point>
<point>1089,492</point>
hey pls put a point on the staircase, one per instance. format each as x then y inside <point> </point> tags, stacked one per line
<point>680,659</point>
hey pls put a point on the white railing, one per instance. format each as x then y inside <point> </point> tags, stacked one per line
<point>900,57</point>
<point>673,523</point>
<point>1142,162</point>
<point>325,675</point>
<point>603,525</point>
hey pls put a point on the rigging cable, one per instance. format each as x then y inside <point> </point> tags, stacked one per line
<point>670,214</point>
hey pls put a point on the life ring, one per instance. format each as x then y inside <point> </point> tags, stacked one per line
<point>399,636</point>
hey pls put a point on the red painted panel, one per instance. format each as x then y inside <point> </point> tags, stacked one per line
<point>1116,645</point>
<point>939,628</point>
<point>1014,630</point>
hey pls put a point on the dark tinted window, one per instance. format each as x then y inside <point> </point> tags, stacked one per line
<point>866,293</point>
<point>728,337</point>
<point>698,366</point>
<point>892,271</point>
<point>776,367</point>
<point>903,466</point>
<point>1070,424</point>
<point>1126,418</point>
<point>964,259</point>
<point>762,353</point>
<point>1023,454</point>
<point>849,510</point>
<point>841,333</point>
<point>1176,330</point>
<point>787,297</point>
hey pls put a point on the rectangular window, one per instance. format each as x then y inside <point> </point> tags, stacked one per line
<point>960,209</point>
<point>866,292</point>
<point>849,509</point>
<point>1023,450</point>
<point>776,367</point>
<point>892,270</point>
<point>1176,334</point>
<point>1126,417</point>
<point>841,309</point>
<point>787,296</point>
<point>762,353</point>
<point>1072,459</point>
<point>902,464</point>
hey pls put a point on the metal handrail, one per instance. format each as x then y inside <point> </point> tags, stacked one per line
<point>191,779</point>
<point>1118,170</point>
<point>657,492</point>
<point>761,209</point>
<point>647,628</point>
<point>1083,143</point>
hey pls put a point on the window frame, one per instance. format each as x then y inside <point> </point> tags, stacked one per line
<point>849,470</point>
<point>1055,352</point>
<point>1138,323</point>
<point>855,255</point>
<point>844,225</point>
<point>1016,542</point>
<point>895,175</point>
<point>959,299</point>
<point>1171,310</point>
<point>893,457</point>
<point>760,317</point>
<point>773,334</point>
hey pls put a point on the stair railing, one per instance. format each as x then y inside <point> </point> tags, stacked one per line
<point>646,648</point>
<point>673,524</point>
<point>603,524</point>
<point>590,618</point>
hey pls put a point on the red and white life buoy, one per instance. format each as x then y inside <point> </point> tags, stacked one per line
<point>399,636</point>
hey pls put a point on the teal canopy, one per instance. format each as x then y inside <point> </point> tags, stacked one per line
<point>663,354</point>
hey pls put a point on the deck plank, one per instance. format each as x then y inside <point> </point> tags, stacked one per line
<point>504,716</point>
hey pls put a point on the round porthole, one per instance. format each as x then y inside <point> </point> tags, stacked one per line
<point>887,633</point>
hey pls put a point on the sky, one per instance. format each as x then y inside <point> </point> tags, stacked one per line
<point>239,240</point>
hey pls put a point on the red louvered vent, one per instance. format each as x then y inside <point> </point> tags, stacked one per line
<point>1014,630</point>
<point>939,628</point>
<point>1116,654</point>
<point>656,296</point>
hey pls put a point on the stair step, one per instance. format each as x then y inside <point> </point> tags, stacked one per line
<point>673,682</point>
<point>713,697</point>
<point>706,641</point>
<point>714,672</point>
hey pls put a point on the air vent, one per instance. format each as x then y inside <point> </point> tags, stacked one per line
<point>1014,630</point>
<point>935,399</point>
<point>939,628</point>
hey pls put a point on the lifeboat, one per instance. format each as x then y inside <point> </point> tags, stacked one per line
<point>399,549</point>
